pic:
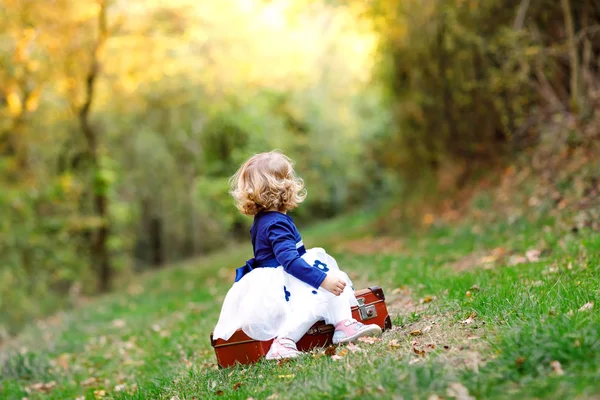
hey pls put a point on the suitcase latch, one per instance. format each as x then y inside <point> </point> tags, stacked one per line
<point>366,312</point>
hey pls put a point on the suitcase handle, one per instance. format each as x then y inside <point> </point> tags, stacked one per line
<point>317,330</point>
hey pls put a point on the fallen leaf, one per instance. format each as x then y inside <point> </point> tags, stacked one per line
<point>394,344</point>
<point>587,306</point>
<point>488,259</point>
<point>283,361</point>
<point>533,255</point>
<point>219,393</point>
<point>470,319</point>
<point>330,350</point>
<point>120,388</point>
<point>354,348</point>
<point>99,394</point>
<point>118,323</point>
<point>428,219</point>
<point>516,260</point>
<point>416,332</point>
<point>419,352</point>
<point>519,361</point>
<point>557,368</point>
<point>237,385</point>
<point>426,299</point>
<point>42,387</point>
<point>369,339</point>
<point>343,352</point>
<point>458,391</point>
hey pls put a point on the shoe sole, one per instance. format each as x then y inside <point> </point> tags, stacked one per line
<point>374,330</point>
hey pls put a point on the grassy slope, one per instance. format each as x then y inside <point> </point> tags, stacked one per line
<point>151,341</point>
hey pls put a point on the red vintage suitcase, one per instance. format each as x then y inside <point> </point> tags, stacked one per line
<point>242,349</point>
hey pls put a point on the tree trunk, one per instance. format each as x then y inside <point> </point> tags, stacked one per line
<point>156,246</point>
<point>573,56</point>
<point>99,242</point>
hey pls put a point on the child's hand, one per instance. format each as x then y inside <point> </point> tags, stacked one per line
<point>334,284</point>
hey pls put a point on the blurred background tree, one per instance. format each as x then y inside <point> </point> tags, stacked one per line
<point>121,121</point>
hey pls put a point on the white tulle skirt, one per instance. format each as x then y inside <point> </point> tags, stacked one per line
<point>267,301</point>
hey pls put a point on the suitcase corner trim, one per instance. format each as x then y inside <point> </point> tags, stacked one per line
<point>378,292</point>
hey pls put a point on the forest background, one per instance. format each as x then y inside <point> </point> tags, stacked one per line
<point>121,121</point>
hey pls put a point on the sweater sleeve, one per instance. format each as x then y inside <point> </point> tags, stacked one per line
<point>283,241</point>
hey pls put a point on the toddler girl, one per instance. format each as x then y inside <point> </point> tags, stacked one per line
<point>284,289</point>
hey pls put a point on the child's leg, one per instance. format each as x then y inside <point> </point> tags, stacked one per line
<point>338,310</point>
<point>294,330</point>
<point>284,346</point>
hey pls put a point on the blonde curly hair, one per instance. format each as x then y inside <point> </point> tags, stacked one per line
<point>267,181</point>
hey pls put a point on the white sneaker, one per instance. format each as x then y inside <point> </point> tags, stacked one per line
<point>282,348</point>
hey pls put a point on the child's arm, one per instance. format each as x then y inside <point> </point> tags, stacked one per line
<point>283,241</point>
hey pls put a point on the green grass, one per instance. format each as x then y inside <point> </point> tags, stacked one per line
<point>526,337</point>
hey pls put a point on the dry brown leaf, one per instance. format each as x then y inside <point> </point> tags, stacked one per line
<point>394,344</point>
<point>330,350</point>
<point>118,323</point>
<point>519,361</point>
<point>42,387</point>
<point>533,255</point>
<point>121,387</point>
<point>516,260</point>
<point>458,391</point>
<point>426,299</point>
<point>587,306</point>
<point>475,288</point>
<point>63,361</point>
<point>343,352</point>
<point>419,352</point>
<point>354,348</point>
<point>237,385</point>
<point>91,381</point>
<point>99,394</point>
<point>219,393</point>
<point>369,339</point>
<point>470,319</point>
<point>557,368</point>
